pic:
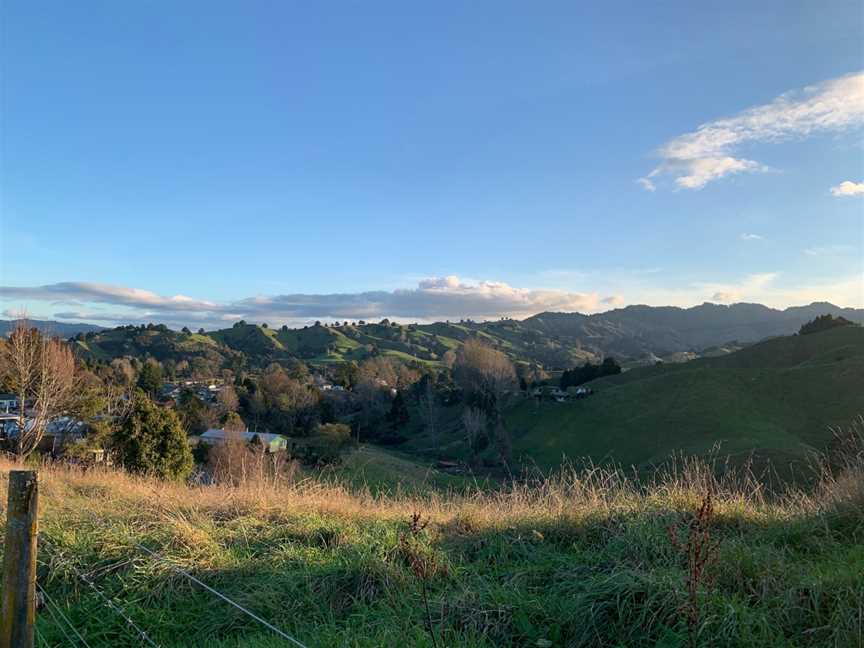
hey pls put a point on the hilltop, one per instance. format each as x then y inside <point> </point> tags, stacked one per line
<point>549,340</point>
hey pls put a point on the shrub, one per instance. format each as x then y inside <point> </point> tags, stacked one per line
<point>151,441</point>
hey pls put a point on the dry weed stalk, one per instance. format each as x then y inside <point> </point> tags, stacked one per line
<point>700,551</point>
<point>421,564</point>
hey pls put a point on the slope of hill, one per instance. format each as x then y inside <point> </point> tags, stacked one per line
<point>157,342</point>
<point>777,398</point>
<point>58,329</point>
<point>552,340</point>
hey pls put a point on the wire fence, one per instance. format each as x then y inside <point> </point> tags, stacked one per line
<point>63,622</point>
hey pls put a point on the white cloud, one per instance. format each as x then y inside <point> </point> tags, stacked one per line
<point>433,299</point>
<point>647,184</point>
<point>614,300</point>
<point>848,188</point>
<point>829,250</point>
<point>105,293</point>
<point>706,154</point>
<point>750,288</point>
<point>751,237</point>
<point>726,297</point>
<point>699,172</point>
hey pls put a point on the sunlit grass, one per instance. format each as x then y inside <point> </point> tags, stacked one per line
<point>582,559</point>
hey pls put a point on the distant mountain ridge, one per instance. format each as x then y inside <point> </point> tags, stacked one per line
<point>51,327</point>
<point>552,340</point>
<point>639,330</point>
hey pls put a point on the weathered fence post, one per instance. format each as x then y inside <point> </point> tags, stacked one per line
<point>19,561</point>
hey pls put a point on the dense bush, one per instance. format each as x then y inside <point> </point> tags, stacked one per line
<point>824,323</point>
<point>152,441</point>
<point>588,372</point>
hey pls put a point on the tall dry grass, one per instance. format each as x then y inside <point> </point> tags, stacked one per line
<point>582,558</point>
<point>254,484</point>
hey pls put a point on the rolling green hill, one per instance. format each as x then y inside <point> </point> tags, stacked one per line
<point>777,398</point>
<point>635,335</point>
<point>157,342</point>
<point>258,346</point>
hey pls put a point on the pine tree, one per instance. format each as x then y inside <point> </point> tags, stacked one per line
<point>398,414</point>
<point>150,379</point>
<point>151,441</point>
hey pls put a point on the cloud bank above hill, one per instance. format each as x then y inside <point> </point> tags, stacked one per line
<point>433,299</point>
<point>709,153</point>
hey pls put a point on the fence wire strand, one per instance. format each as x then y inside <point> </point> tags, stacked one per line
<point>107,601</point>
<point>177,569</point>
<point>49,603</point>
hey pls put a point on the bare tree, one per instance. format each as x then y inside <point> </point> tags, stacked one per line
<point>228,461</point>
<point>474,422</point>
<point>40,371</point>
<point>429,409</point>
<point>237,462</point>
<point>233,423</point>
<point>124,372</point>
<point>487,377</point>
<point>227,399</point>
<point>484,373</point>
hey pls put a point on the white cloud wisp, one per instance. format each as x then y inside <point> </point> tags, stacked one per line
<point>708,153</point>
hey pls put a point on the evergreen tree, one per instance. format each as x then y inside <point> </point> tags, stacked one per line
<point>194,415</point>
<point>151,441</point>
<point>150,379</point>
<point>824,323</point>
<point>398,414</point>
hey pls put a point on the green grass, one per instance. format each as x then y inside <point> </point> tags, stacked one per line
<point>778,399</point>
<point>583,560</point>
<point>386,471</point>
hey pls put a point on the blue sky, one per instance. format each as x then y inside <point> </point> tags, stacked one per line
<point>199,162</point>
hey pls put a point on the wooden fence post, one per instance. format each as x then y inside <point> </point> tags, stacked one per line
<point>19,561</point>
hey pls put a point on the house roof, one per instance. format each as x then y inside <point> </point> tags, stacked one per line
<point>265,437</point>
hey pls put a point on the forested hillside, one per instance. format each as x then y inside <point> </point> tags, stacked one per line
<point>551,341</point>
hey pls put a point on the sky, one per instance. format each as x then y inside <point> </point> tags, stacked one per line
<point>203,162</point>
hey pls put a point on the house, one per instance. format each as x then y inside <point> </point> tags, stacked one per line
<point>8,403</point>
<point>272,442</point>
<point>8,426</point>
<point>555,393</point>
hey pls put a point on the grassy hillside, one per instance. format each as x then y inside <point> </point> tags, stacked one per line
<point>386,471</point>
<point>160,343</point>
<point>554,340</point>
<point>777,398</point>
<point>582,560</point>
<point>258,346</point>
